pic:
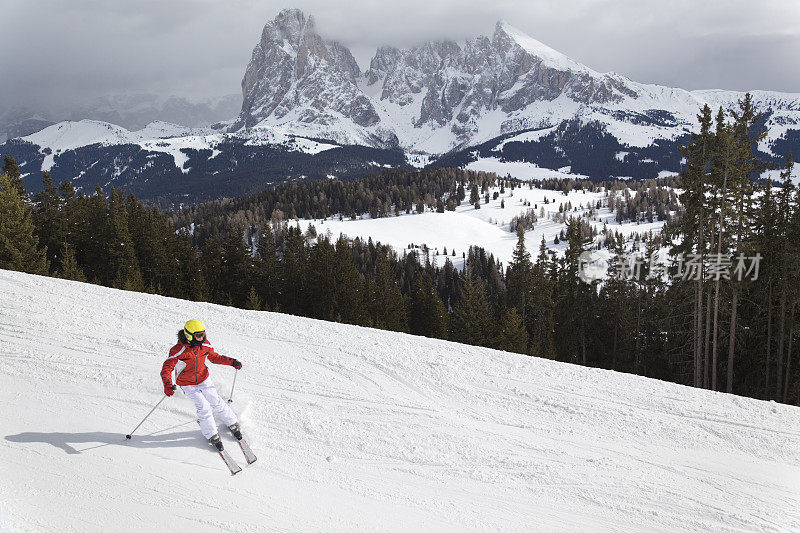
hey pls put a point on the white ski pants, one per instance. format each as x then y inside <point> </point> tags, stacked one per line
<point>207,402</point>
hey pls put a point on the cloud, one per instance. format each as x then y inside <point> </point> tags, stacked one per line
<point>55,50</point>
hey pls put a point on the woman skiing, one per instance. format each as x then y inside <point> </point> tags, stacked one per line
<point>188,357</point>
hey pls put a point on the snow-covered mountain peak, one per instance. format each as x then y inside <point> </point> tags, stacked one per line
<point>295,76</point>
<point>73,134</point>
<point>68,135</point>
<point>549,56</point>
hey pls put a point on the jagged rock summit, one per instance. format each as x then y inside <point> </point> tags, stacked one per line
<point>296,76</point>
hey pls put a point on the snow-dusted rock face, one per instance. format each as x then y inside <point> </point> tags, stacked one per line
<point>294,71</point>
<point>444,95</point>
<point>508,72</point>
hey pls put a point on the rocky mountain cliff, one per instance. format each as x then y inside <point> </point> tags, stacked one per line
<point>294,75</point>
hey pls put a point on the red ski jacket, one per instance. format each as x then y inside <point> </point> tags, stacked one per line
<point>193,369</point>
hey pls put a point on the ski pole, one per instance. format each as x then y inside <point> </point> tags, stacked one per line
<point>128,436</point>
<point>230,400</point>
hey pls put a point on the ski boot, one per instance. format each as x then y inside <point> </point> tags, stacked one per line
<point>237,432</point>
<point>217,442</point>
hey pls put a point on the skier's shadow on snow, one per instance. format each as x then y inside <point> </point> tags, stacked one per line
<point>157,439</point>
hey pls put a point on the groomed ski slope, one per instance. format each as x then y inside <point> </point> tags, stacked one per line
<point>360,430</point>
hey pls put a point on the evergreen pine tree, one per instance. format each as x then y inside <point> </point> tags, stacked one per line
<point>253,302</point>
<point>520,271</point>
<point>695,225</point>
<point>460,193</point>
<point>426,314</point>
<point>747,164</point>
<point>69,268</point>
<point>617,297</point>
<point>123,267</point>
<point>154,246</point>
<point>539,321</point>
<point>320,290</point>
<point>267,273</point>
<point>387,302</point>
<point>471,322</point>
<point>190,282</point>
<point>474,197</point>
<point>92,236</point>
<point>12,172</point>
<point>512,336</point>
<point>236,277</point>
<point>573,294</point>
<point>212,260</point>
<point>293,268</point>
<point>19,246</point>
<point>50,221</point>
<point>349,297</point>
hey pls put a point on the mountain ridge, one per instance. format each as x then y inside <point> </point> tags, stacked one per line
<point>442,96</point>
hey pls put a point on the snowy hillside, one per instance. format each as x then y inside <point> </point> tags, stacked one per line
<point>176,165</point>
<point>156,137</point>
<point>361,430</point>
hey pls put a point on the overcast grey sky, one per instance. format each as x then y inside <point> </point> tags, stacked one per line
<point>63,49</point>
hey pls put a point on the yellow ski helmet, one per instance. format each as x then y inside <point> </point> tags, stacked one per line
<point>191,327</point>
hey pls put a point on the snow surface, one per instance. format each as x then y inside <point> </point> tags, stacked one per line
<point>527,136</point>
<point>361,430</point>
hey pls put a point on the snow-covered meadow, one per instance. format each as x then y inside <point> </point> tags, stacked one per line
<point>360,430</point>
<point>487,227</point>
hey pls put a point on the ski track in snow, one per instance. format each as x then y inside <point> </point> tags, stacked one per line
<point>360,430</point>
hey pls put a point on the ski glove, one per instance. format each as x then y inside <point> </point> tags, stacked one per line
<point>236,364</point>
<point>169,389</point>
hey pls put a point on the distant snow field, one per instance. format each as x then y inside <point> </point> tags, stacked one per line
<point>360,430</point>
<point>487,227</point>
<point>519,169</point>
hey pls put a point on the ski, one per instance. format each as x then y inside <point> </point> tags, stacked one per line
<point>247,451</point>
<point>232,465</point>
<point>229,462</point>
